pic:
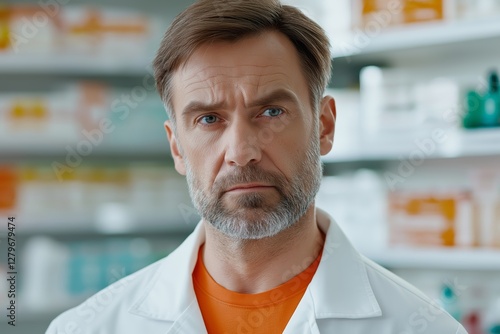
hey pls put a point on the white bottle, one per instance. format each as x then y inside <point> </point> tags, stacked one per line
<point>44,269</point>
<point>491,320</point>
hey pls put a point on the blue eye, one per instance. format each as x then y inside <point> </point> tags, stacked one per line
<point>272,112</point>
<point>208,119</point>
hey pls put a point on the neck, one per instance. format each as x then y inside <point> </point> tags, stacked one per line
<point>253,266</point>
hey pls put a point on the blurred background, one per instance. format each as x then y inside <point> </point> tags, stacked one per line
<point>85,168</point>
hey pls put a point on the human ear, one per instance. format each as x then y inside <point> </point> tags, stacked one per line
<point>180,167</point>
<point>327,119</point>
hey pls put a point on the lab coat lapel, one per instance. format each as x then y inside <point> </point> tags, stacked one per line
<point>170,296</point>
<point>303,319</point>
<point>190,321</point>
<point>341,288</point>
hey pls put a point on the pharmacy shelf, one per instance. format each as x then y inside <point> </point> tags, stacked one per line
<point>436,258</point>
<point>360,47</point>
<point>457,144</point>
<point>453,37</point>
<point>72,65</point>
<point>82,227</point>
<point>59,151</point>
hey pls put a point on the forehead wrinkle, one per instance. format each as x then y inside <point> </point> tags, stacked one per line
<point>206,70</point>
<point>210,67</point>
<point>212,85</point>
<point>271,81</point>
<point>207,82</point>
<point>245,78</point>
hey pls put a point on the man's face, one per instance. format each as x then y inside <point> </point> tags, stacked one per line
<point>246,136</point>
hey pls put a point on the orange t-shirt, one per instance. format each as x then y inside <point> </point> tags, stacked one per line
<point>225,311</point>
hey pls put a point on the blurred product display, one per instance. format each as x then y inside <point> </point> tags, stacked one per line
<point>397,100</point>
<point>492,318</point>
<point>474,302</point>
<point>398,12</point>
<point>449,301</point>
<point>465,217</point>
<point>88,198</point>
<point>8,189</point>
<point>483,108</point>
<point>425,215</point>
<point>84,115</point>
<point>69,272</point>
<point>413,178</point>
<point>82,31</point>
<point>435,219</point>
<point>407,12</point>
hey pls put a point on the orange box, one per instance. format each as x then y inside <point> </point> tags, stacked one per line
<point>4,28</point>
<point>8,188</point>
<point>396,12</point>
<point>26,28</point>
<point>419,219</point>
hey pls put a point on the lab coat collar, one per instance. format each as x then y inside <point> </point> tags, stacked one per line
<point>339,289</point>
<point>171,291</point>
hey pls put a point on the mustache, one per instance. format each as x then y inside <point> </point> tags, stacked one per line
<point>249,174</point>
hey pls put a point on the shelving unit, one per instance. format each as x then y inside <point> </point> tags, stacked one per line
<point>421,42</point>
<point>154,151</point>
<point>459,143</point>
<point>71,227</point>
<point>73,65</point>
<point>450,44</point>
<point>436,258</point>
<point>453,38</point>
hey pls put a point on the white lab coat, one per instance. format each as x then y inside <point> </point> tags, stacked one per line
<point>349,294</point>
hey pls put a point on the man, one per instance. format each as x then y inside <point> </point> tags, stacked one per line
<point>243,83</point>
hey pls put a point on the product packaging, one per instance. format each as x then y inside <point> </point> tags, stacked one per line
<point>8,188</point>
<point>44,268</point>
<point>387,13</point>
<point>402,102</point>
<point>486,196</point>
<point>483,107</point>
<point>431,219</point>
<point>476,9</point>
<point>4,28</point>
<point>41,120</point>
<point>492,318</point>
<point>28,30</point>
<point>106,33</point>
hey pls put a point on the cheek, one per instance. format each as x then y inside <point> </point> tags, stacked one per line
<point>203,160</point>
<point>287,150</point>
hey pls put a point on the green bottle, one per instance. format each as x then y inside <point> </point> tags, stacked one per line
<point>491,103</point>
<point>473,116</point>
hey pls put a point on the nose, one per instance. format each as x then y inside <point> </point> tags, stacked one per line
<point>242,144</point>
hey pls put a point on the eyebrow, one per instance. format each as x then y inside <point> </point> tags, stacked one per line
<point>278,95</point>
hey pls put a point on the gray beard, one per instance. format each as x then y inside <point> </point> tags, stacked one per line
<point>254,218</point>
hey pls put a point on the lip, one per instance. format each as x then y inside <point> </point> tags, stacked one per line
<point>248,187</point>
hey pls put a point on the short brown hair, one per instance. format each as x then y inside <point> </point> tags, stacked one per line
<point>230,20</point>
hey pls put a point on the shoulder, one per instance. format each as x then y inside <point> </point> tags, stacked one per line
<point>403,302</point>
<point>93,315</point>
